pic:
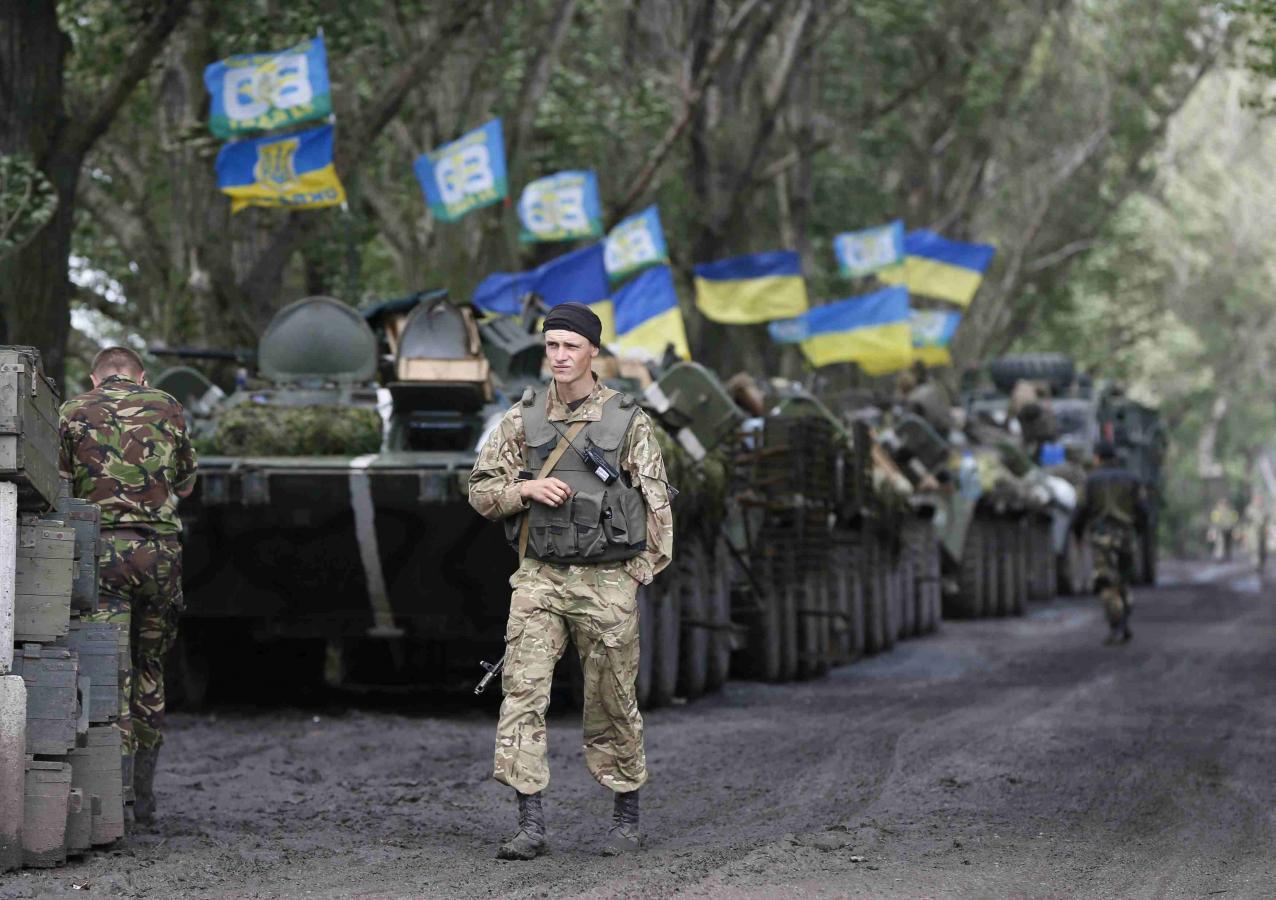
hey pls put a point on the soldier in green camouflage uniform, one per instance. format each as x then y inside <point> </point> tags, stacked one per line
<point>125,447</point>
<point>1113,503</point>
<point>556,593</point>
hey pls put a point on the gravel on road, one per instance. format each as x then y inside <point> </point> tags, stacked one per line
<point>998,758</point>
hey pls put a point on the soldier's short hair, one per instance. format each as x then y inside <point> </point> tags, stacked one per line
<point>117,359</point>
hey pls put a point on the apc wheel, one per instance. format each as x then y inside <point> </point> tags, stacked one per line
<point>841,587</point>
<point>874,596</point>
<point>646,644</point>
<point>791,596</point>
<point>718,584</point>
<point>970,576</point>
<point>763,656</point>
<point>890,594</point>
<point>993,571</point>
<point>693,667</point>
<point>813,624</point>
<point>908,587</point>
<point>667,602</point>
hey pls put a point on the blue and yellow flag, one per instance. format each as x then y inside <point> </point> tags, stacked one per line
<point>261,91</point>
<point>562,207</point>
<point>751,289</point>
<point>635,244</point>
<point>578,276</point>
<point>871,330</point>
<point>933,331</point>
<point>293,171</point>
<point>464,175</point>
<point>647,314</point>
<point>937,267</point>
<point>869,250</point>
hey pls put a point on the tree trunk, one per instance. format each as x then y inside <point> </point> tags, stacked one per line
<point>35,294</point>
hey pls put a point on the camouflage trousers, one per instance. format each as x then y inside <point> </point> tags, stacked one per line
<point>141,589</point>
<point>597,606</point>
<point>1113,547</point>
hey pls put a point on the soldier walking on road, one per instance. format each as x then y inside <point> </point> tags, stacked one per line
<point>125,447</point>
<point>575,472</point>
<point>1113,504</point>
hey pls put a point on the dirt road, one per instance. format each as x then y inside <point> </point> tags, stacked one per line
<point>1003,758</point>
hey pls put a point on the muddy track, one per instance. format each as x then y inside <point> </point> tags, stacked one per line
<point>1003,758</point>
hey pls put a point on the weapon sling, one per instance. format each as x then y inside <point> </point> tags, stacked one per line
<point>563,444</point>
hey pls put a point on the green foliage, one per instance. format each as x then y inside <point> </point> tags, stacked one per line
<point>27,201</point>
<point>250,429</point>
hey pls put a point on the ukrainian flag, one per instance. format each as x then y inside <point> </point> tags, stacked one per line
<point>937,267</point>
<point>871,330</point>
<point>294,171</point>
<point>933,331</point>
<point>647,314</point>
<point>750,289</point>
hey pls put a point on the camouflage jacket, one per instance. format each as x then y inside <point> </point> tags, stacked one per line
<point>494,480</point>
<point>125,447</point>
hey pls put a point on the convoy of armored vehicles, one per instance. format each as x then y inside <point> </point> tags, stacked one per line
<point>812,529</point>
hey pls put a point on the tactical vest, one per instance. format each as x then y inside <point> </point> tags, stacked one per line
<point>600,522</point>
<point>1112,498</point>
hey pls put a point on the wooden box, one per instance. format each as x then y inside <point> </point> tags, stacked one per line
<point>45,816</point>
<point>52,679</point>
<point>97,770</point>
<point>45,574</point>
<point>84,517</point>
<point>28,427</point>
<point>97,646</point>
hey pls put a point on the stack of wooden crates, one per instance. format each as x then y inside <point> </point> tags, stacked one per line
<point>62,776</point>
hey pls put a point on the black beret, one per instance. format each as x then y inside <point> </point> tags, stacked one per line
<point>576,317</point>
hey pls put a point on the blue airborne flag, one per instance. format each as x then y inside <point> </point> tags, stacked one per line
<point>261,91</point>
<point>870,250</point>
<point>293,171</point>
<point>635,244</point>
<point>561,207</point>
<point>466,174</point>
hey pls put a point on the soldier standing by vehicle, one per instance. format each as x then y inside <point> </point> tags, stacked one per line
<point>575,472</point>
<point>1113,504</point>
<point>125,447</point>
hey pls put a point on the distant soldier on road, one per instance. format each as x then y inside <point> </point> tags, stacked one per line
<point>125,447</point>
<point>575,471</point>
<point>1114,502</point>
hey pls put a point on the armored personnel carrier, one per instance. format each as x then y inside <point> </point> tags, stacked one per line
<point>331,506</point>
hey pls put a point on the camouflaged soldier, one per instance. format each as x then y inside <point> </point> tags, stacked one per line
<point>1113,504</point>
<point>588,532</point>
<point>125,447</point>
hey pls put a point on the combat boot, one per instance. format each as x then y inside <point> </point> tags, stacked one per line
<point>623,836</point>
<point>530,842</point>
<point>144,761</point>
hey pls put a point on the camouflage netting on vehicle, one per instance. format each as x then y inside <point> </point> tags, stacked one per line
<point>258,430</point>
<point>702,486</point>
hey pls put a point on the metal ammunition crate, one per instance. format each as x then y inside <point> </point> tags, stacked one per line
<point>28,427</point>
<point>45,813</point>
<point>51,675</point>
<point>44,576</point>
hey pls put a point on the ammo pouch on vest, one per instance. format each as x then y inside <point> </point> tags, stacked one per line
<point>599,522</point>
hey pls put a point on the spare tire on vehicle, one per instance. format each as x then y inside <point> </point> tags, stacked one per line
<point>1055,369</point>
